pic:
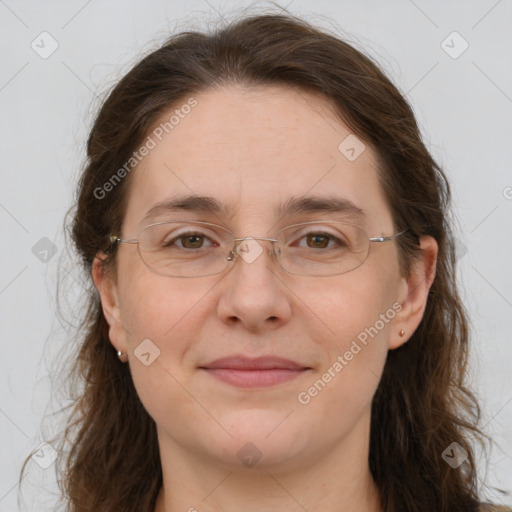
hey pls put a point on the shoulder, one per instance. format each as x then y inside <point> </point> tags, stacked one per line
<point>486,507</point>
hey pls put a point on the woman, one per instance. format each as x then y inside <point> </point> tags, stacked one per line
<point>277,324</point>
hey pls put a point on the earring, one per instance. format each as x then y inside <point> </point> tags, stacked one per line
<point>402,333</point>
<point>122,357</point>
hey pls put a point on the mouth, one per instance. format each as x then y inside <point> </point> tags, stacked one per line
<point>258,372</point>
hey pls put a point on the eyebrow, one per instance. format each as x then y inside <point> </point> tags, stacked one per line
<point>292,206</point>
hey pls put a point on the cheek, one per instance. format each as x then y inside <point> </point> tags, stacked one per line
<point>353,304</point>
<point>161,308</point>
<point>162,322</point>
<point>340,393</point>
<point>357,314</point>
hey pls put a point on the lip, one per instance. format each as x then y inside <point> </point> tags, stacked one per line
<point>254,363</point>
<point>247,372</point>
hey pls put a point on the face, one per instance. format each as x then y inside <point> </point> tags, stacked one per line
<point>252,149</point>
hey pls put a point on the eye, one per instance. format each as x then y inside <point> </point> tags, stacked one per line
<point>322,240</point>
<point>188,240</point>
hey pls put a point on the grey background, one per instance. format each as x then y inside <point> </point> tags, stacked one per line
<point>463,104</point>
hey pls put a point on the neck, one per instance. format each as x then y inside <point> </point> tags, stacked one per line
<point>338,480</point>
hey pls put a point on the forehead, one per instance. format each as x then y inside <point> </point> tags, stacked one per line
<point>254,149</point>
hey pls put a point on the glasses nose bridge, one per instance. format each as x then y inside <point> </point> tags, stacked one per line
<point>254,238</point>
<point>233,253</point>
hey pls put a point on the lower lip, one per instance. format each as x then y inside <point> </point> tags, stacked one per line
<point>254,378</point>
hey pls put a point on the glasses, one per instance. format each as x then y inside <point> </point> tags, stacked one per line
<point>195,249</point>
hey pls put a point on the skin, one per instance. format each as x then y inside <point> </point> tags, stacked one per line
<point>255,147</point>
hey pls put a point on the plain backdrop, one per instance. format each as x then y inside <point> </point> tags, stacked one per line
<point>451,59</point>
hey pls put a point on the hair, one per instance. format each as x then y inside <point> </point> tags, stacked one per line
<point>422,404</point>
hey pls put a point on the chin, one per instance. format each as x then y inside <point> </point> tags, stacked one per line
<point>264,439</point>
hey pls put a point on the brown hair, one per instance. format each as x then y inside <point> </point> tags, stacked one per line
<point>421,405</point>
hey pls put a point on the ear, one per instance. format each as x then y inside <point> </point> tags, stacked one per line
<point>413,293</point>
<point>106,284</point>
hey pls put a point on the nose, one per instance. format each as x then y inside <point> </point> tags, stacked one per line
<point>253,293</point>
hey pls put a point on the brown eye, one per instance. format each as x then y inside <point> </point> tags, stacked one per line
<point>318,241</point>
<point>189,240</point>
<point>192,241</point>
<point>321,240</point>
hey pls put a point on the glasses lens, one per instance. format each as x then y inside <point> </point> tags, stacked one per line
<point>184,249</point>
<point>194,249</point>
<point>322,248</point>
